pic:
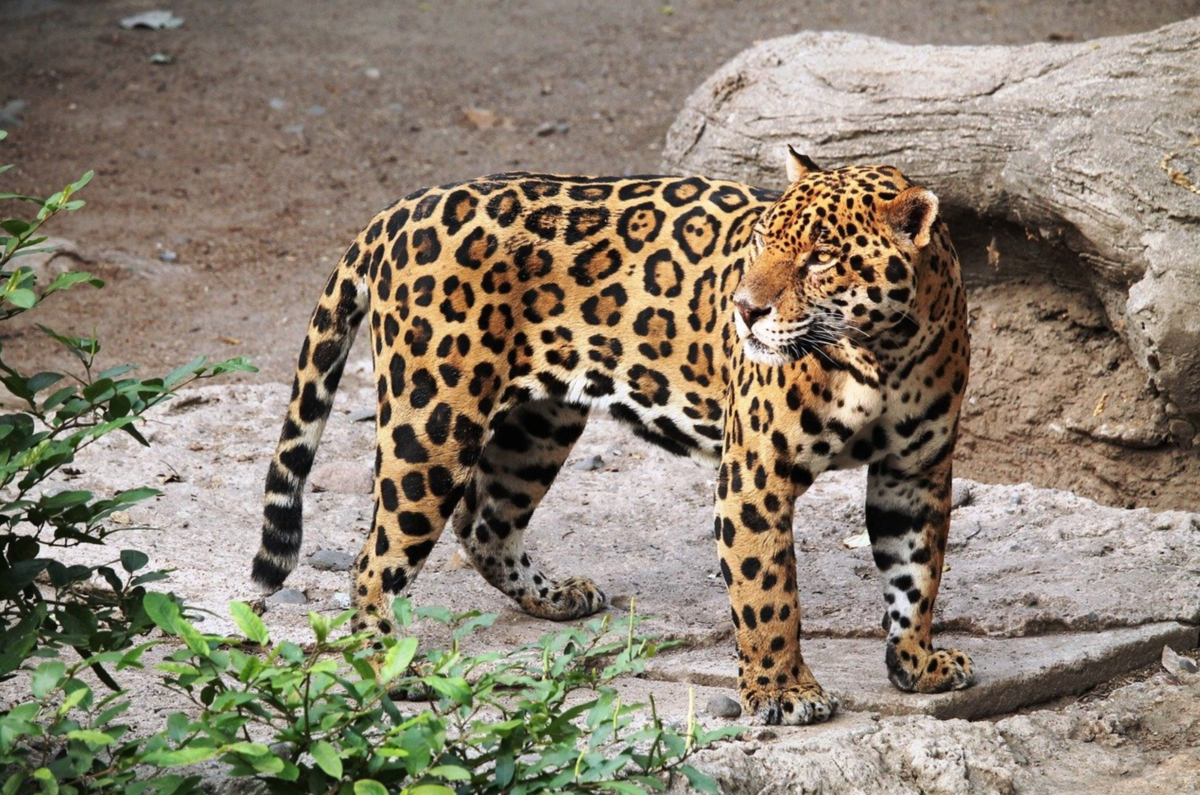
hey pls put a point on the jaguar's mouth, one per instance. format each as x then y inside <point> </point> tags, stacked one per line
<point>796,347</point>
<point>758,351</point>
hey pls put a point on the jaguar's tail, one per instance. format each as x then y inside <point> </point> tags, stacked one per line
<point>318,371</point>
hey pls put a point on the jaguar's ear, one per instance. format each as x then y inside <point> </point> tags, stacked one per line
<point>912,214</point>
<point>798,165</point>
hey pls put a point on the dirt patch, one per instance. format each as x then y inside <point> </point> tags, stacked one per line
<point>279,128</point>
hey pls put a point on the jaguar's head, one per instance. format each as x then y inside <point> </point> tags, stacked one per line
<point>837,256</point>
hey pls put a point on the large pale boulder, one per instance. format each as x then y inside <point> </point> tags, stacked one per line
<point>1093,148</point>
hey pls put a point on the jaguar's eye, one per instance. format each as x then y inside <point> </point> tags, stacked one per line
<point>823,258</point>
<point>757,239</point>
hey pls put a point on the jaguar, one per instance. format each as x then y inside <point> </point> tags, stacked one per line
<point>780,334</point>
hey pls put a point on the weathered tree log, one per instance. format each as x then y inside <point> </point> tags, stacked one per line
<point>1095,146</point>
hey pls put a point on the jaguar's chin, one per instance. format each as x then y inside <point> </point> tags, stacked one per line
<point>791,351</point>
<point>758,351</point>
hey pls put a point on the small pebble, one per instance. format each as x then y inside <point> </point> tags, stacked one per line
<point>168,256</point>
<point>340,599</point>
<point>287,596</point>
<point>589,464</point>
<point>315,110</point>
<point>293,129</point>
<point>342,477</point>
<point>552,128</point>
<point>362,415</point>
<point>1016,499</point>
<point>10,114</point>
<point>282,749</point>
<point>277,104</point>
<point>960,494</point>
<point>1178,666</point>
<point>723,706</point>
<point>331,560</point>
<point>372,73</point>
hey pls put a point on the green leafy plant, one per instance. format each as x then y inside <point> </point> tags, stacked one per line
<point>46,604</point>
<point>541,718</point>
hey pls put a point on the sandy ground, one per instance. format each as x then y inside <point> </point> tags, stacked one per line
<point>281,126</point>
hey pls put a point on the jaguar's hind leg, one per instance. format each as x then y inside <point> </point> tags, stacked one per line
<point>525,453</point>
<point>422,469</point>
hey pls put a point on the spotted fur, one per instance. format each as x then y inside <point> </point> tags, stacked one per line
<point>781,334</point>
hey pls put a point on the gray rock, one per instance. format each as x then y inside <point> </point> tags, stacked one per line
<point>362,415</point>
<point>1138,741</point>
<point>960,493</point>
<point>340,599</point>
<point>293,129</point>
<point>589,464</point>
<point>722,706</point>
<point>1011,672</point>
<point>287,596</point>
<point>1178,666</point>
<point>342,477</point>
<point>168,256</point>
<point>331,560</point>
<point>315,110</point>
<point>276,103</point>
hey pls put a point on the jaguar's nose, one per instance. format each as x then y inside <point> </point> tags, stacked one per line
<point>749,312</point>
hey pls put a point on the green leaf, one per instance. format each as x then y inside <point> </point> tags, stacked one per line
<point>397,659</point>
<point>192,637</point>
<point>623,787</point>
<point>426,789</point>
<point>46,677</point>
<point>402,610</point>
<point>249,623</point>
<point>25,299</point>
<point>179,373</point>
<point>369,786</point>
<point>66,281</point>
<point>163,611</point>
<point>41,381</point>
<point>453,687</point>
<point>188,755</point>
<point>435,613</point>
<point>450,772</point>
<point>177,726</point>
<point>73,699</point>
<point>15,226</point>
<point>327,758</point>
<point>79,183</point>
<point>65,499</point>
<point>249,749</point>
<point>132,560</point>
<point>91,736</point>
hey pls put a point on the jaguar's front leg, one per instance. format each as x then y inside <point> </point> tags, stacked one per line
<point>754,535</point>
<point>908,520</point>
